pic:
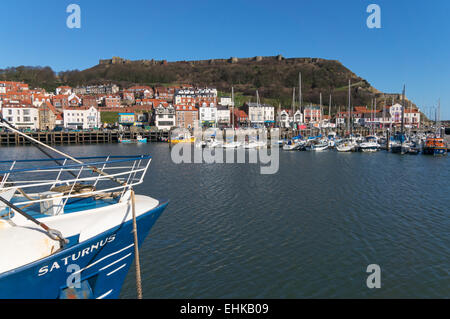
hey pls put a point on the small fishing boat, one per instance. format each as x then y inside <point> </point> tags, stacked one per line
<point>139,140</point>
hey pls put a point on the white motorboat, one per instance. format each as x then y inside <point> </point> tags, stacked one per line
<point>295,145</point>
<point>346,146</point>
<point>370,145</point>
<point>321,146</point>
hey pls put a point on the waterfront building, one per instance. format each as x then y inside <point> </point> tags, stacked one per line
<point>284,119</point>
<point>298,117</point>
<point>49,117</point>
<point>223,116</point>
<point>208,115</point>
<point>241,118</point>
<point>21,115</point>
<point>186,116</point>
<point>396,114</point>
<point>126,119</point>
<point>260,114</point>
<point>81,118</point>
<point>164,117</point>
<point>411,117</point>
<point>312,114</point>
<point>341,117</point>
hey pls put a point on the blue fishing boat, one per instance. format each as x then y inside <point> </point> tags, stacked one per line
<point>71,227</point>
<point>87,236</point>
<point>139,140</point>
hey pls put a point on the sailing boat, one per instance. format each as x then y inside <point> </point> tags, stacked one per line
<point>296,143</point>
<point>370,143</point>
<point>398,145</point>
<point>76,217</point>
<point>348,145</point>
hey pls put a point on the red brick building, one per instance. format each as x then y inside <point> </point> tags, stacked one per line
<point>186,116</point>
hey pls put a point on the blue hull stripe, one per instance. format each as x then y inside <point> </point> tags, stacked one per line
<point>102,262</point>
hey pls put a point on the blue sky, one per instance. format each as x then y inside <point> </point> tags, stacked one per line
<point>411,48</point>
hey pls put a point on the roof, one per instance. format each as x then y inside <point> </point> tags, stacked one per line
<point>186,108</point>
<point>18,106</point>
<point>253,104</point>
<point>50,106</point>
<point>79,108</point>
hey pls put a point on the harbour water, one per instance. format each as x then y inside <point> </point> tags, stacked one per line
<point>309,231</point>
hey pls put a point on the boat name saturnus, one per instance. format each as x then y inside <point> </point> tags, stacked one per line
<point>75,256</point>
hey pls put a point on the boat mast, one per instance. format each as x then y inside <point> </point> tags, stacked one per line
<point>320,118</point>
<point>293,106</point>
<point>279,114</point>
<point>329,111</point>
<point>403,111</point>
<point>373,120</point>
<point>232,107</point>
<point>438,119</point>
<point>349,101</point>
<point>300,92</point>
<point>410,119</point>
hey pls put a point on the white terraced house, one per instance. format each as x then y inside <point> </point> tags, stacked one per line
<point>81,118</point>
<point>165,117</point>
<point>260,114</point>
<point>21,115</point>
<point>208,115</point>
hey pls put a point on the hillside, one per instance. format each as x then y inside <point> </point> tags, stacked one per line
<point>274,77</point>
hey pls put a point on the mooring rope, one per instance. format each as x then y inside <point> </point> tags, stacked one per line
<point>136,248</point>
